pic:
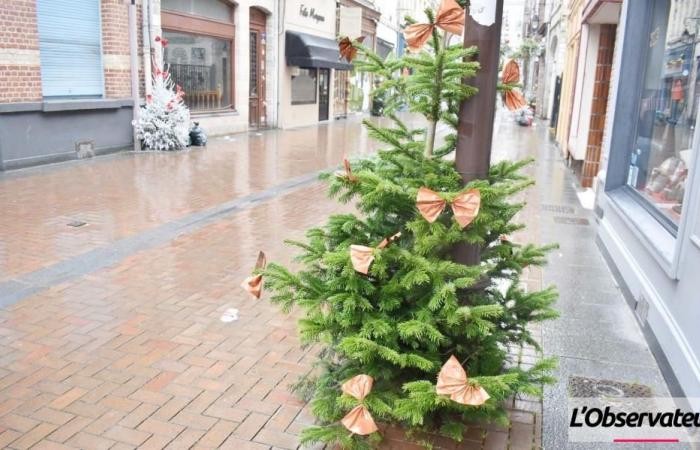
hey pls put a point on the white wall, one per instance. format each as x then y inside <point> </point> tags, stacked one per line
<point>585,83</point>
<point>295,20</point>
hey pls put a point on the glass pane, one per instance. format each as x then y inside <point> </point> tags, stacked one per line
<point>202,66</point>
<point>304,87</point>
<point>669,101</point>
<point>213,9</point>
<point>253,63</point>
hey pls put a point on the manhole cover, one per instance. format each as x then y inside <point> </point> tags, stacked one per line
<point>583,387</point>
<point>571,220</point>
<point>76,223</point>
<point>561,209</point>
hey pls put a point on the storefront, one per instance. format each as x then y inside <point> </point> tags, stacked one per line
<point>358,18</point>
<point>311,61</point>
<point>219,53</point>
<point>649,194</point>
<point>598,32</point>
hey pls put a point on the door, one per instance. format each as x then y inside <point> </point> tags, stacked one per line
<point>555,102</point>
<point>324,86</point>
<point>256,94</point>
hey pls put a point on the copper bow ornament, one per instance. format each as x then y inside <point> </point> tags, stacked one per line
<point>452,381</point>
<point>359,420</point>
<point>450,17</point>
<point>254,283</point>
<point>465,206</point>
<point>362,256</point>
<point>347,48</point>
<point>347,174</point>
<point>513,99</point>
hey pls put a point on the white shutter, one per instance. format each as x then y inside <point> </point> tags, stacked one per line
<point>70,46</point>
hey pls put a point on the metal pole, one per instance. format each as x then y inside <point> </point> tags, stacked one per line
<point>476,115</point>
<point>134,62</point>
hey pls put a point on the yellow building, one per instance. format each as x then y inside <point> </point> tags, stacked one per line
<point>573,42</point>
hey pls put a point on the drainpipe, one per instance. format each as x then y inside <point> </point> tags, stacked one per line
<point>281,10</point>
<point>134,63</point>
<point>146,42</point>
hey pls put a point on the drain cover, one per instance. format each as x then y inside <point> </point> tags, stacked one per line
<point>561,209</point>
<point>583,387</point>
<point>76,223</point>
<point>571,220</point>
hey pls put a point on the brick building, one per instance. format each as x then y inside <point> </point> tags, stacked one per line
<point>65,70</point>
<point>47,107</point>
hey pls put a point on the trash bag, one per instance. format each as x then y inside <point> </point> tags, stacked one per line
<point>197,135</point>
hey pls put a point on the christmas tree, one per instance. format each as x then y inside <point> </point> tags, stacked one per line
<point>408,336</point>
<point>164,122</point>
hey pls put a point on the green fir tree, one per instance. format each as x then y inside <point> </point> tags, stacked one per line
<point>416,307</point>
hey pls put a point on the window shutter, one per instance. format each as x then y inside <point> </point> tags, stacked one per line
<point>71,51</point>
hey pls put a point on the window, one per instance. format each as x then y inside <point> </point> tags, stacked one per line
<point>670,89</point>
<point>70,48</point>
<point>304,87</point>
<point>202,66</point>
<point>212,9</point>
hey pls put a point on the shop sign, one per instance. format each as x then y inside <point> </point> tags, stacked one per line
<point>311,13</point>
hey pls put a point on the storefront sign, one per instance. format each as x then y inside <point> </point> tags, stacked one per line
<point>311,13</point>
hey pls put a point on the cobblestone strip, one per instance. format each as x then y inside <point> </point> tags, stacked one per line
<point>14,290</point>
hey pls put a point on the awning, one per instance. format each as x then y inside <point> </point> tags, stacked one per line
<point>307,50</point>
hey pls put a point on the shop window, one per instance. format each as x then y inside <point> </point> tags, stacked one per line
<point>304,87</point>
<point>668,105</point>
<point>212,9</point>
<point>202,66</point>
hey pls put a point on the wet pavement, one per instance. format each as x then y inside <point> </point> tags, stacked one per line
<point>114,334</point>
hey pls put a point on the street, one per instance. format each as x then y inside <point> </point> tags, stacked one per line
<point>119,333</point>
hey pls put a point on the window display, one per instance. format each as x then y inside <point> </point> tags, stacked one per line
<point>304,87</point>
<point>201,65</point>
<point>667,112</point>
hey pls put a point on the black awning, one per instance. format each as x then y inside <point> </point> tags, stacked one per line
<point>306,50</point>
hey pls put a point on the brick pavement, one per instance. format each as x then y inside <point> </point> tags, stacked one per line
<point>135,354</point>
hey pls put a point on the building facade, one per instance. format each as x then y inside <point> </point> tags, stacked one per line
<point>549,85</point>
<point>65,68</point>
<point>648,194</point>
<point>598,27</point>
<point>65,84</point>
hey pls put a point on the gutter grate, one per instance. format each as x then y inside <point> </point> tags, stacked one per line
<point>583,387</point>
<point>76,223</point>
<point>561,209</point>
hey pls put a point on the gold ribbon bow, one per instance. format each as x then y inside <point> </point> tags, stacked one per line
<point>450,17</point>
<point>362,256</point>
<point>347,174</point>
<point>359,420</point>
<point>452,381</point>
<point>347,49</point>
<point>465,206</point>
<point>513,99</point>
<point>254,283</point>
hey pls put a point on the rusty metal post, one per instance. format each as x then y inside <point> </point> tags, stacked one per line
<point>476,115</point>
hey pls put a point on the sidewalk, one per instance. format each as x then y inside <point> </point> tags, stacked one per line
<point>111,333</point>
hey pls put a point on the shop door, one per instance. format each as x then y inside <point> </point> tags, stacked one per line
<point>324,87</point>
<point>256,95</point>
